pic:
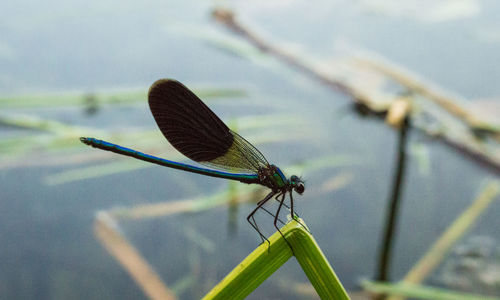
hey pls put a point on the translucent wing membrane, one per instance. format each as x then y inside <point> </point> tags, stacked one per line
<point>241,156</point>
<point>195,131</point>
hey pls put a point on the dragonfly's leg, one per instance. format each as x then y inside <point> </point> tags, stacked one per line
<point>293,213</point>
<point>279,208</point>
<point>251,218</point>
<point>276,220</point>
<point>284,204</point>
<point>291,206</point>
<point>281,201</point>
<point>269,196</point>
<point>272,215</point>
<point>256,227</point>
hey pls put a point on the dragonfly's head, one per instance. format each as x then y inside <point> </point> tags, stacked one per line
<point>297,184</point>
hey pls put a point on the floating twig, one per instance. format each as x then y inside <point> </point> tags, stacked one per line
<point>378,103</point>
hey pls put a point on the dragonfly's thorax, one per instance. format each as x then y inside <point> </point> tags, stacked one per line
<point>273,178</point>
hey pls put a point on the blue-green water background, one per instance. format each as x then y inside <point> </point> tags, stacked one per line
<point>47,249</point>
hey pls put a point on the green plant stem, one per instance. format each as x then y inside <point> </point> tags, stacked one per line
<point>393,208</point>
<point>419,291</point>
<point>266,259</point>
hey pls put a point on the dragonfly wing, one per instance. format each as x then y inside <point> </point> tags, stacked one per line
<point>240,156</point>
<point>195,131</point>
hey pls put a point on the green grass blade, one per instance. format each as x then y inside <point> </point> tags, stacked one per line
<point>103,97</point>
<point>261,263</point>
<point>315,265</point>
<point>253,270</point>
<point>419,291</point>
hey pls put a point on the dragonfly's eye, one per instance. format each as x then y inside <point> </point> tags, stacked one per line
<point>299,188</point>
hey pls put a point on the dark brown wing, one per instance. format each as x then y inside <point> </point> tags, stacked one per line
<point>195,131</point>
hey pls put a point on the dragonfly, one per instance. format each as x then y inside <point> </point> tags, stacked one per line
<point>196,131</point>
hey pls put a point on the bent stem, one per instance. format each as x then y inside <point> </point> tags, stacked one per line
<point>261,263</point>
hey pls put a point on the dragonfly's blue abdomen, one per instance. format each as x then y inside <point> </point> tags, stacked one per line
<point>246,178</point>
